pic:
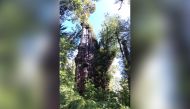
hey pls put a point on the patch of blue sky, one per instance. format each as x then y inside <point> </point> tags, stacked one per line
<point>70,25</point>
<point>108,7</point>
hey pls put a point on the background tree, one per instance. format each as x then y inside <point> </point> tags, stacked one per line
<point>115,37</point>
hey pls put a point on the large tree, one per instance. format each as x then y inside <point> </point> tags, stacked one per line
<point>115,35</point>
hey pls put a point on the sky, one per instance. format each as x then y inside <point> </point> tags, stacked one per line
<point>108,6</point>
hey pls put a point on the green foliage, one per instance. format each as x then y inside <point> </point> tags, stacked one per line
<point>124,94</point>
<point>106,53</point>
<point>94,98</point>
<point>100,76</point>
<point>109,32</point>
<point>64,47</point>
<point>77,9</point>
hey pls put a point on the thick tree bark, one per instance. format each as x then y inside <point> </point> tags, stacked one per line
<point>84,59</point>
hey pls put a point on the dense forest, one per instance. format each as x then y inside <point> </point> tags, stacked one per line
<point>87,60</point>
